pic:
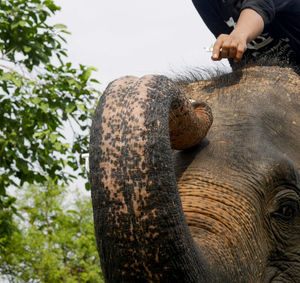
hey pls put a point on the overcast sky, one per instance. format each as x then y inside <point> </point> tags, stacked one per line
<point>135,37</point>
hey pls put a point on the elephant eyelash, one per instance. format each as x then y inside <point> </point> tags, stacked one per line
<point>287,209</point>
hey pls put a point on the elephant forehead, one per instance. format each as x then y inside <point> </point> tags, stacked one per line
<point>253,112</point>
<point>236,168</point>
<point>246,83</point>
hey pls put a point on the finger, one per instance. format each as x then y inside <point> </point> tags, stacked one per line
<point>217,48</point>
<point>240,52</point>
<point>225,49</point>
<point>233,49</point>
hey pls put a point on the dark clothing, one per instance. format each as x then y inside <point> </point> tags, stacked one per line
<point>281,18</point>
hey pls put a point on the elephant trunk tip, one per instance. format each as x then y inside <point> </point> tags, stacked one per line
<point>189,124</point>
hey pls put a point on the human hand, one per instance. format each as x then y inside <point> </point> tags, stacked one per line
<point>229,46</point>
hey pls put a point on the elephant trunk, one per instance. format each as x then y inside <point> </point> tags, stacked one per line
<point>141,231</point>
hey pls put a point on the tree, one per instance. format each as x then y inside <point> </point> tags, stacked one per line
<point>40,95</point>
<point>53,242</point>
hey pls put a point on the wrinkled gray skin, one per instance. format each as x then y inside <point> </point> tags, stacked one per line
<point>225,210</point>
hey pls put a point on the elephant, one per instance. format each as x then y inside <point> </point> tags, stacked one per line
<point>198,180</point>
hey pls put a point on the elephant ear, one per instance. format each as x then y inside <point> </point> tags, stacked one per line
<point>141,231</point>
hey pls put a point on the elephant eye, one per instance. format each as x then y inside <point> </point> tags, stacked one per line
<point>287,211</point>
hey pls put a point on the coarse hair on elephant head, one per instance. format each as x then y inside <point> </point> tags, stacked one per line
<point>171,205</point>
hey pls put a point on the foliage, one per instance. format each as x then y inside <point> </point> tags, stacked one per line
<point>54,242</point>
<point>41,97</point>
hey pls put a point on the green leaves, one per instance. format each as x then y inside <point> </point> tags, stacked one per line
<point>53,242</point>
<point>87,73</point>
<point>27,49</point>
<point>18,24</point>
<point>24,31</point>
<point>60,26</point>
<point>40,101</point>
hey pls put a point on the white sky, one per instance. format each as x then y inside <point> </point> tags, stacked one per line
<point>135,37</point>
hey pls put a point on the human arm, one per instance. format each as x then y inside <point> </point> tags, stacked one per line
<point>250,24</point>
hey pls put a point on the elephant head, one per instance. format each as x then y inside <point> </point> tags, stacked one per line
<point>172,205</point>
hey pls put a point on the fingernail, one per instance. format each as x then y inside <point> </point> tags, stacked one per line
<point>215,56</point>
